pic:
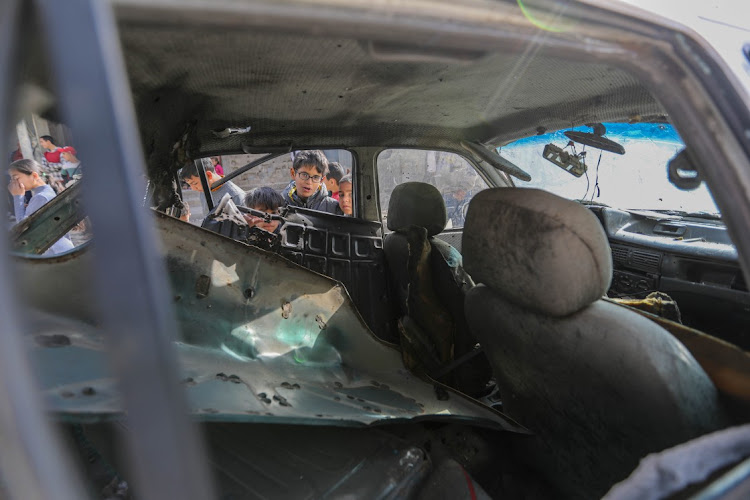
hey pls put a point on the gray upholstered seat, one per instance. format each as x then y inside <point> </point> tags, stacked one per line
<point>429,284</point>
<point>599,385</point>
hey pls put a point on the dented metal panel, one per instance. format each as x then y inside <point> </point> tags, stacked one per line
<point>262,339</point>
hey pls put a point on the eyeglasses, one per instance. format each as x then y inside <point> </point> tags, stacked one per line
<point>305,176</point>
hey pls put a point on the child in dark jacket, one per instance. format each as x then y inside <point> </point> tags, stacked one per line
<point>306,189</point>
<point>264,199</point>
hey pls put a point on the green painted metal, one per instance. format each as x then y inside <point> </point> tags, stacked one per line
<point>262,340</point>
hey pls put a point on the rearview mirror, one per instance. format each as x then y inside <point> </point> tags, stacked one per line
<point>596,139</point>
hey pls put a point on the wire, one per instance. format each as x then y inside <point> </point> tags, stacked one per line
<point>596,182</point>
<point>586,172</point>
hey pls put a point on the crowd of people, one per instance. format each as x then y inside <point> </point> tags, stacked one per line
<point>315,184</point>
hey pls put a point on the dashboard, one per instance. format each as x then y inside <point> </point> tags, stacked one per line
<point>691,259</point>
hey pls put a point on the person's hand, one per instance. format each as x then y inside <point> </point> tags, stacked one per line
<point>16,187</point>
<point>252,220</point>
<point>185,215</point>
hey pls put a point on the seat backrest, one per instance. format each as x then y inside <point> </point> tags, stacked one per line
<point>599,385</point>
<point>429,283</point>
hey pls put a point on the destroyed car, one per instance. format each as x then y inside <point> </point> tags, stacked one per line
<point>481,326</point>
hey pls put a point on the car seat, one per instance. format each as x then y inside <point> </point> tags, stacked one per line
<point>429,284</point>
<point>599,385</point>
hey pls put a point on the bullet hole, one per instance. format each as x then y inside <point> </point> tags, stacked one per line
<point>281,399</point>
<point>286,309</point>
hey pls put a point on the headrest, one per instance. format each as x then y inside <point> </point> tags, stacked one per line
<point>417,204</point>
<point>537,250</point>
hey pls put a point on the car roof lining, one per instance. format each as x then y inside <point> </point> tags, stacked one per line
<point>297,89</point>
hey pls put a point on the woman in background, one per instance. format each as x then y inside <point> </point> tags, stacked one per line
<point>25,175</point>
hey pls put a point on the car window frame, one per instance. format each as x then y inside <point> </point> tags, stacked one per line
<point>482,173</point>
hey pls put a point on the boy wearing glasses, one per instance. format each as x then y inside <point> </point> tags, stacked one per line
<point>306,189</point>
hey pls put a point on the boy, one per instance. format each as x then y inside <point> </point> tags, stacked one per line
<point>266,200</point>
<point>52,153</point>
<point>190,175</point>
<point>333,177</point>
<point>345,195</point>
<point>306,189</point>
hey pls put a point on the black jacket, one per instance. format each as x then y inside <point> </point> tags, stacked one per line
<point>318,201</point>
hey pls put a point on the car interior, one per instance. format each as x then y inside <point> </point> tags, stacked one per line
<point>467,333</point>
